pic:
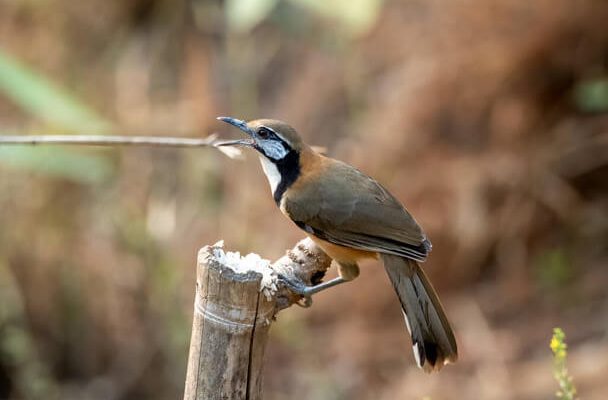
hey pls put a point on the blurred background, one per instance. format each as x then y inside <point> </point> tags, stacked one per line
<point>489,120</point>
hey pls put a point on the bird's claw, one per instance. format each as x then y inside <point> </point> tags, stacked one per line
<point>299,288</point>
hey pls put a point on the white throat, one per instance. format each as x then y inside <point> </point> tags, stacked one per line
<point>272,173</point>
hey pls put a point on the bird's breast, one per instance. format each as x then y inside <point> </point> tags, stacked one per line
<point>342,254</point>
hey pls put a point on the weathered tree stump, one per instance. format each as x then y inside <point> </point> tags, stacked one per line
<point>237,298</point>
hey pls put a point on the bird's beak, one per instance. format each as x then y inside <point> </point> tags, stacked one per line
<point>242,125</point>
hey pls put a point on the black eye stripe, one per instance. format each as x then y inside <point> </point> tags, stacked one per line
<point>269,133</point>
<point>265,133</point>
<point>272,135</point>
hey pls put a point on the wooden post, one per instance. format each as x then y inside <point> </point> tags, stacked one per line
<point>236,301</point>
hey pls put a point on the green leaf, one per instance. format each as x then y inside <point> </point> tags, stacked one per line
<point>54,106</point>
<point>244,15</point>
<point>58,162</point>
<point>554,268</point>
<point>45,100</point>
<point>592,96</point>
<point>357,17</point>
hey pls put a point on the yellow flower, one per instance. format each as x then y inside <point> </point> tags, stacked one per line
<point>554,344</point>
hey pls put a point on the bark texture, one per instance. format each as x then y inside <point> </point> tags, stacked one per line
<point>233,310</point>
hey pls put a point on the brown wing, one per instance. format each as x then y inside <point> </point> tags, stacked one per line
<point>356,212</point>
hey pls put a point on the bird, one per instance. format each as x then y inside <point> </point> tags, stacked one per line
<point>351,217</point>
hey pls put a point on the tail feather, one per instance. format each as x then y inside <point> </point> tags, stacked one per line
<point>432,337</point>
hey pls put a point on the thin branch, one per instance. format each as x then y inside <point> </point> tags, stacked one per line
<point>95,140</point>
<point>101,140</point>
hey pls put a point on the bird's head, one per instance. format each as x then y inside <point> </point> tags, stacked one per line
<point>279,146</point>
<point>273,139</point>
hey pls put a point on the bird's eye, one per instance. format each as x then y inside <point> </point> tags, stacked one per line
<point>263,133</point>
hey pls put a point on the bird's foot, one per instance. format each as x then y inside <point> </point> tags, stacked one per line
<point>299,287</point>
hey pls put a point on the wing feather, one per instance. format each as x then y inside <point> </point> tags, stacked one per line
<point>356,212</point>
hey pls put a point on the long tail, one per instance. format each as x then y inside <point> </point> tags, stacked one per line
<point>432,337</point>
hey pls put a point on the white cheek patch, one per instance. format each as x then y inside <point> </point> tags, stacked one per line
<point>272,173</point>
<point>273,149</point>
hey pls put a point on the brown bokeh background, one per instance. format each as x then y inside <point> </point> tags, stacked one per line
<point>489,120</point>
